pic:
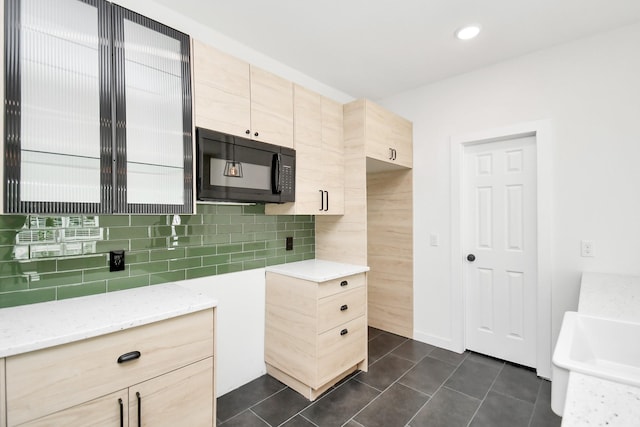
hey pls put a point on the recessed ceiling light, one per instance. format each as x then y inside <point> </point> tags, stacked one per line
<point>468,32</point>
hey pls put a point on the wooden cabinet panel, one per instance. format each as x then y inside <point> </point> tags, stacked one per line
<point>234,97</point>
<point>3,395</point>
<point>317,130</point>
<point>310,343</point>
<point>340,308</point>
<point>342,284</point>
<point>222,92</point>
<point>388,137</point>
<point>271,108</point>
<point>104,411</point>
<point>340,349</point>
<point>180,398</point>
<point>45,381</point>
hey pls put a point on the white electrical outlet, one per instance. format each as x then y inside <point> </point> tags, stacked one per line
<point>586,248</point>
<point>434,239</point>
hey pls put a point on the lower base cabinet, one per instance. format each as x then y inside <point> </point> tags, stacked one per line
<point>160,374</point>
<point>315,332</point>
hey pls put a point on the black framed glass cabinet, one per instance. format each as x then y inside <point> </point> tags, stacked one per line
<point>97,110</point>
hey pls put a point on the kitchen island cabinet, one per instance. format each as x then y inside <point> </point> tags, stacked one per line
<point>315,324</point>
<point>142,357</point>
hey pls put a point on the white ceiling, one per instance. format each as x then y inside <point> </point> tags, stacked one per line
<point>376,48</point>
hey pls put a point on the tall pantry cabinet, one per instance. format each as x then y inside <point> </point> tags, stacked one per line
<point>377,226</point>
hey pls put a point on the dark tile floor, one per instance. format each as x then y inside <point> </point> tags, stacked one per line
<point>408,384</point>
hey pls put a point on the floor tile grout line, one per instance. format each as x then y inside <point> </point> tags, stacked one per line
<point>259,417</point>
<point>485,395</point>
<point>535,403</point>
<point>439,387</point>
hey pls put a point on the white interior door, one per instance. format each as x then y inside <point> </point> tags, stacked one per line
<point>499,220</point>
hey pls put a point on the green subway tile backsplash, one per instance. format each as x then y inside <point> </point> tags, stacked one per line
<point>217,239</point>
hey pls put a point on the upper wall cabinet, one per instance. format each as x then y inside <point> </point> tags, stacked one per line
<point>97,110</point>
<point>389,137</point>
<point>319,157</point>
<point>234,97</point>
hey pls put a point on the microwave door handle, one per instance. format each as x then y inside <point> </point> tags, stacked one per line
<point>275,174</point>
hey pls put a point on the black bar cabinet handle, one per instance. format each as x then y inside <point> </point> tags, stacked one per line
<point>121,413</point>
<point>344,283</point>
<point>345,331</point>
<point>139,409</point>
<point>321,200</point>
<point>127,357</point>
<point>390,153</point>
<point>327,207</point>
<point>344,307</point>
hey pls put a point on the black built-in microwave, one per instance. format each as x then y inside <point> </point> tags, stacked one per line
<point>235,169</point>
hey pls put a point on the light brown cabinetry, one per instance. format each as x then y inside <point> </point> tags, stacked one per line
<point>377,226</point>
<point>319,157</point>
<point>315,332</point>
<point>234,97</point>
<point>170,371</point>
<point>388,136</point>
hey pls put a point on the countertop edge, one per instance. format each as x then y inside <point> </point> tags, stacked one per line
<point>24,342</point>
<point>317,270</point>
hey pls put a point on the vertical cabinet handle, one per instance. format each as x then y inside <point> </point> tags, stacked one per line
<point>344,283</point>
<point>345,331</point>
<point>139,409</point>
<point>121,412</point>
<point>344,307</point>
<point>324,195</point>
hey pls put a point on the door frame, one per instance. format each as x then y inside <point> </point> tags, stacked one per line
<point>541,129</point>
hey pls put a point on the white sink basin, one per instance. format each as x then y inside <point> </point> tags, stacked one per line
<point>604,348</point>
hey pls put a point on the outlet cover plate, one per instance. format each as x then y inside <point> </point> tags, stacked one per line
<point>116,260</point>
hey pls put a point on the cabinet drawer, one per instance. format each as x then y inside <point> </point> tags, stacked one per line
<point>340,350</point>
<point>45,381</point>
<point>331,287</point>
<point>340,308</point>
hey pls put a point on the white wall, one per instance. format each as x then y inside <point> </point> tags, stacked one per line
<point>590,90</point>
<point>239,325</point>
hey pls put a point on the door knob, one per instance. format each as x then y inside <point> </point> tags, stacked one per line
<point>471,257</point>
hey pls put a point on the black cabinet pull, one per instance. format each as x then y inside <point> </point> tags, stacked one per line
<point>132,355</point>
<point>321,200</point>
<point>344,307</point>
<point>247,131</point>
<point>344,283</point>
<point>255,134</point>
<point>139,409</point>
<point>345,331</point>
<point>121,413</point>
<point>327,207</point>
<point>390,153</point>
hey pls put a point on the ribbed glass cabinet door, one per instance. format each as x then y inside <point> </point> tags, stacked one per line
<point>70,65</point>
<point>152,63</point>
<point>57,121</point>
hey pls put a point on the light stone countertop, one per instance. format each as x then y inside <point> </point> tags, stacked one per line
<point>37,326</point>
<point>594,401</point>
<point>316,270</point>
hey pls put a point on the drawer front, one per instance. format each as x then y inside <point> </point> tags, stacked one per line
<point>343,284</point>
<point>45,381</point>
<point>340,308</point>
<point>341,348</point>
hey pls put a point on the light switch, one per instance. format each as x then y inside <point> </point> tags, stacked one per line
<point>586,248</point>
<point>434,239</point>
